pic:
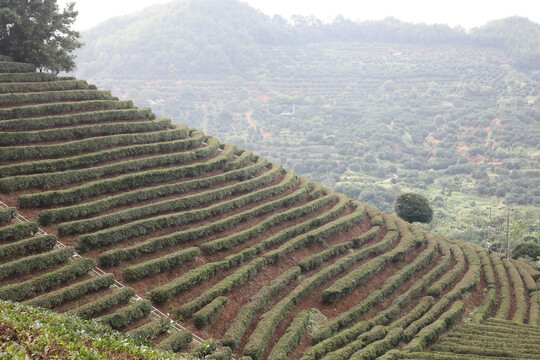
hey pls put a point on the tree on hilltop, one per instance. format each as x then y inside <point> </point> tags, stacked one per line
<point>38,32</point>
<point>413,207</point>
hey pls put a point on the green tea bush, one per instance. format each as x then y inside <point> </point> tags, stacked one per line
<point>76,119</point>
<point>7,214</point>
<point>245,315</point>
<point>17,232</point>
<point>82,132</point>
<point>150,331</point>
<point>27,77</point>
<point>43,86</point>
<point>94,308</point>
<point>168,206</point>
<point>28,246</point>
<point>58,215</point>
<point>37,285</point>
<point>207,314</point>
<point>88,160</point>
<point>291,338</point>
<point>156,266</point>
<point>16,67</point>
<point>15,99</point>
<point>87,145</point>
<point>73,292</point>
<point>127,315</point>
<point>122,183</point>
<point>35,263</point>
<point>117,256</point>
<point>60,108</point>
<point>179,340</point>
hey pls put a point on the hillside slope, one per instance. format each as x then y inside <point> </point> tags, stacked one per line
<point>370,109</point>
<point>235,248</point>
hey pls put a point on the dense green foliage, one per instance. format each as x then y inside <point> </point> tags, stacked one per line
<point>413,207</point>
<point>63,336</point>
<point>39,33</point>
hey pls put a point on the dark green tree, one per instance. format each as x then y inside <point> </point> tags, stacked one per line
<point>528,248</point>
<point>38,32</point>
<point>413,207</point>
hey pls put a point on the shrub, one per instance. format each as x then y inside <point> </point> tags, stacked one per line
<point>168,206</point>
<point>15,153</point>
<point>155,266</point>
<point>75,119</point>
<point>14,99</point>
<point>122,183</point>
<point>153,329</point>
<point>434,330</point>
<point>247,312</point>
<point>177,341</point>
<point>127,315</point>
<point>88,209</point>
<point>207,314</point>
<point>27,77</point>
<point>117,256</point>
<point>87,160</point>
<point>43,86</point>
<point>316,260</point>
<point>28,246</point>
<point>35,263</point>
<point>222,353</point>
<point>379,347</point>
<point>519,292</point>
<point>32,287</point>
<point>243,236</point>
<point>504,287</point>
<point>17,232</point>
<point>60,108</point>
<point>94,308</point>
<point>7,214</point>
<point>440,285</point>
<point>82,132</point>
<point>291,338</point>
<point>69,293</point>
<point>56,179</point>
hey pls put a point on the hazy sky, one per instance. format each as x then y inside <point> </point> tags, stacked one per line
<point>467,13</point>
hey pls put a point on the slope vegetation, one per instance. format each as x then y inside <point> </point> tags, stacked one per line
<point>151,219</point>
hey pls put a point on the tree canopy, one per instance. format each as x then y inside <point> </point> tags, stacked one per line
<point>413,207</point>
<point>38,32</point>
<point>529,249</point>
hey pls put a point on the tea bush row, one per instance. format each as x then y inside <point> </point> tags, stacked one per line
<point>73,292</point>
<point>37,285</point>
<point>87,160</point>
<point>88,209</point>
<point>91,117</point>
<point>82,132</point>
<point>122,183</point>
<point>167,206</point>
<point>94,308</point>
<point>17,153</point>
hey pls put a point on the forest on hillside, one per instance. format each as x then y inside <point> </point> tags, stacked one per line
<point>371,109</point>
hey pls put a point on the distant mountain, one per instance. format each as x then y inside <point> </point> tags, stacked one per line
<point>216,37</point>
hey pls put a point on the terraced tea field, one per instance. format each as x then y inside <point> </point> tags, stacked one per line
<point>112,214</point>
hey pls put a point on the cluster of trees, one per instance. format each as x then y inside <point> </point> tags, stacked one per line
<point>37,32</point>
<point>239,37</point>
